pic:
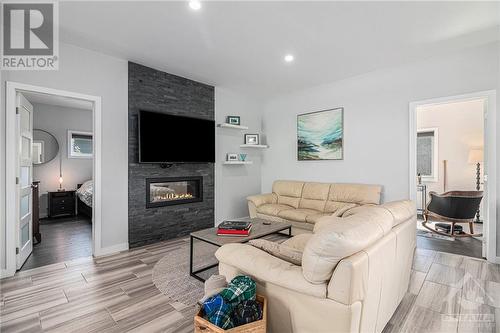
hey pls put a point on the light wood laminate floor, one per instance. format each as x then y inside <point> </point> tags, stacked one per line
<point>447,293</point>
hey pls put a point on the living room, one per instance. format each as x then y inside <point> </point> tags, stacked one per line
<point>239,106</point>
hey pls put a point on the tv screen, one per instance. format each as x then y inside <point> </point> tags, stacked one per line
<point>165,138</point>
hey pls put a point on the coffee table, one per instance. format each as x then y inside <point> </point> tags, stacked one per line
<point>259,230</point>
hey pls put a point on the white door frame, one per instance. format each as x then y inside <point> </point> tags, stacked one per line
<point>490,158</point>
<point>10,97</point>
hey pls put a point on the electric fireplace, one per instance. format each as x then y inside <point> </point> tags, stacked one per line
<point>173,191</point>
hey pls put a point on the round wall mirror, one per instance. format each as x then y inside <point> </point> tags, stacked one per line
<point>45,147</point>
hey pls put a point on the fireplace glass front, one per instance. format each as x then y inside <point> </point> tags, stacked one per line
<point>173,191</point>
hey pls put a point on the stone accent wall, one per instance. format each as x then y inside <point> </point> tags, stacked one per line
<point>153,90</point>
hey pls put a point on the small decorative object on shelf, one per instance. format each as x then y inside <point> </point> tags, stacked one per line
<point>419,178</point>
<point>232,157</point>
<point>243,157</point>
<point>234,120</point>
<point>251,139</point>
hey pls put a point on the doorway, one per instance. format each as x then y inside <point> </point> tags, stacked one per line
<point>448,139</point>
<point>27,146</point>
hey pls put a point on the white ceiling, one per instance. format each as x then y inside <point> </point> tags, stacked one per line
<point>66,102</point>
<point>242,44</point>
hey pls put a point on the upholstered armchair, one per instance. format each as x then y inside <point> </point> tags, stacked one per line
<point>451,208</point>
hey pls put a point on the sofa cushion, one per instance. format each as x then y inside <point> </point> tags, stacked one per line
<point>360,194</point>
<point>314,218</point>
<point>338,208</point>
<point>277,250</point>
<point>298,242</point>
<point>273,209</point>
<point>314,196</point>
<point>289,192</point>
<point>298,214</point>
<point>342,238</point>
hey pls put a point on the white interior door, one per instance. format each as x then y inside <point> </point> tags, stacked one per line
<point>24,221</point>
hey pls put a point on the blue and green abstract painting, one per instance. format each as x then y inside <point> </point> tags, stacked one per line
<point>320,135</point>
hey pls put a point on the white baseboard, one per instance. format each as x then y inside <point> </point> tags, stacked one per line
<point>5,273</point>
<point>111,249</point>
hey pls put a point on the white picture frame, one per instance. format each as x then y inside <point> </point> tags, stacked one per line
<point>74,153</point>
<point>232,157</point>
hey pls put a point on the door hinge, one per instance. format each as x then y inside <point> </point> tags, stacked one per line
<point>17,250</point>
<point>17,109</point>
<point>17,180</point>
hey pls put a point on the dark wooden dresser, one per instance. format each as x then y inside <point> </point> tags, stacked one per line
<point>62,203</point>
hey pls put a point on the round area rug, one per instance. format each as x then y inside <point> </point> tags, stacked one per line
<point>171,273</point>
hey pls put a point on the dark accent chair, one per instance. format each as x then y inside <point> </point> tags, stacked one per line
<point>453,207</point>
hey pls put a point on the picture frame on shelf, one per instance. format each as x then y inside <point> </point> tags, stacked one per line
<point>232,157</point>
<point>252,139</point>
<point>233,120</point>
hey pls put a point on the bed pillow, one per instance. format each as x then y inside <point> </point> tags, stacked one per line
<point>281,251</point>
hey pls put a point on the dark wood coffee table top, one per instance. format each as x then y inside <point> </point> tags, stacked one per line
<point>259,229</point>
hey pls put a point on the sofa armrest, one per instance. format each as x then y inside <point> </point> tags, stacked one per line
<point>350,279</point>
<point>261,199</point>
<point>265,268</point>
<point>255,201</point>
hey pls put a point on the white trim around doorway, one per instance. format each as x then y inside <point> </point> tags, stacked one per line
<point>10,233</point>
<point>490,159</point>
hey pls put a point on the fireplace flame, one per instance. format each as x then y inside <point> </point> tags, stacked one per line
<point>172,196</point>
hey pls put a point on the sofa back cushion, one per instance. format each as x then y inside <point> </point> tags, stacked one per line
<point>360,194</point>
<point>289,192</point>
<point>341,238</point>
<point>314,196</point>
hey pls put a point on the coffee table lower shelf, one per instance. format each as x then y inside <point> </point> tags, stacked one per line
<point>221,240</point>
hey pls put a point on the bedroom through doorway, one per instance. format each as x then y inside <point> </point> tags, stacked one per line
<point>61,178</point>
<point>55,168</point>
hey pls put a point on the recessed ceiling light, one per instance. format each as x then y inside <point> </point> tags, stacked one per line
<point>195,4</point>
<point>289,58</point>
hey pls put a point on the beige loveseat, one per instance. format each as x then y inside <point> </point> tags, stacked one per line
<point>303,203</point>
<point>355,271</point>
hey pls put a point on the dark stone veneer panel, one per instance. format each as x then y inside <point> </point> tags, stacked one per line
<point>153,90</point>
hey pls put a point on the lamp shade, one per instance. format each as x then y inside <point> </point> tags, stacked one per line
<point>476,156</point>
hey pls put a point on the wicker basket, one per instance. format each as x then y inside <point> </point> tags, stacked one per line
<point>202,325</point>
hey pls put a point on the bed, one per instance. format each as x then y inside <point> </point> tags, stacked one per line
<point>84,198</point>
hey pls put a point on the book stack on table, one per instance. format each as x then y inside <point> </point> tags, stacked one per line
<point>234,228</point>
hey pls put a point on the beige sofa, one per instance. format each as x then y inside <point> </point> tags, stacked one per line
<point>303,203</point>
<point>355,271</point>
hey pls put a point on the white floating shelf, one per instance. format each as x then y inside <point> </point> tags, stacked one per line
<point>224,125</point>
<point>238,162</point>
<point>255,146</point>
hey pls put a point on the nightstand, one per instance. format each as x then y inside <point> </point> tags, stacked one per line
<point>62,203</point>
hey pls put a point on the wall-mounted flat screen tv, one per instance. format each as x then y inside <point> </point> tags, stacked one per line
<point>165,138</point>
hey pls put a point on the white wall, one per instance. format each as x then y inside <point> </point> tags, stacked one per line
<point>233,183</point>
<point>57,121</point>
<point>376,119</point>
<point>92,73</point>
<point>460,126</point>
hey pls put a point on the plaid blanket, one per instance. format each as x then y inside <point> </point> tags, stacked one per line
<point>218,312</point>
<point>247,312</point>
<point>241,288</point>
